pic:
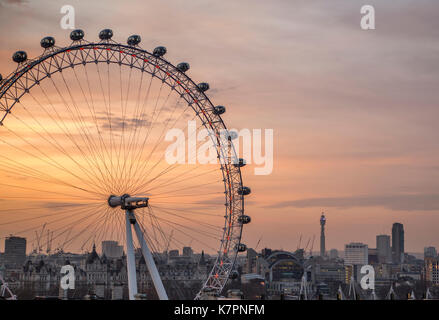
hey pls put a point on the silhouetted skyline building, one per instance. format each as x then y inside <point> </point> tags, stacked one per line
<point>333,254</point>
<point>15,251</point>
<point>430,252</point>
<point>356,253</point>
<point>322,235</point>
<point>384,250</point>
<point>398,242</point>
<point>112,249</point>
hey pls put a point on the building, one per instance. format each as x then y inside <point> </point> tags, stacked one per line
<point>398,243</point>
<point>430,252</point>
<point>356,253</point>
<point>112,249</point>
<point>282,270</point>
<point>15,251</point>
<point>384,250</point>
<point>188,252</point>
<point>432,270</point>
<point>173,253</point>
<point>322,235</point>
<point>250,262</point>
<point>372,256</point>
<point>329,272</point>
<point>333,254</point>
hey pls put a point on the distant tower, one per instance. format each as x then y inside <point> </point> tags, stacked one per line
<point>322,235</point>
<point>398,243</point>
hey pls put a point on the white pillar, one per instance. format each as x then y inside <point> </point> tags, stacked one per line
<point>131,261</point>
<point>152,268</point>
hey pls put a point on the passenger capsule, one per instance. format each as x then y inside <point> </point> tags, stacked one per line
<point>159,51</point>
<point>244,219</point>
<point>219,110</point>
<point>134,40</point>
<point>183,67</point>
<point>19,56</point>
<point>231,135</point>
<point>106,34</point>
<point>244,191</point>
<point>234,275</point>
<point>47,42</point>
<point>203,86</point>
<point>240,163</point>
<point>77,35</point>
<point>241,247</point>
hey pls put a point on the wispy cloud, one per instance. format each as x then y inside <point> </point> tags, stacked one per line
<point>405,202</point>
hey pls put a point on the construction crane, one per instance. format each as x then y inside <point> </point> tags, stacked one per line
<point>312,245</point>
<point>49,242</point>
<point>39,238</point>
<point>60,249</point>
<point>257,244</point>
<point>300,241</point>
<point>37,248</point>
<point>169,240</point>
<point>307,244</point>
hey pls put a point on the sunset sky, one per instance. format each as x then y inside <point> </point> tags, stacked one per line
<point>354,112</point>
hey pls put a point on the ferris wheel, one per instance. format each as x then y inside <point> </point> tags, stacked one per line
<point>83,149</point>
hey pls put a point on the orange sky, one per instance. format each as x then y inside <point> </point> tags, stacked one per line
<point>354,112</point>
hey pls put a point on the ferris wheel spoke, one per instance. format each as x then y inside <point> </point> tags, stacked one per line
<point>26,209</point>
<point>96,222</point>
<point>198,231</point>
<point>207,225</point>
<point>46,191</point>
<point>186,195</point>
<point>83,129</point>
<point>178,227</point>
<point>161,136</point>
<point>38,217</point>
<point>151,124</point>
<point>104,149</point>
<point>156,225</point>
<point>136,156</point>
<point>174,181</point>
<point>86,217</point>
<point>190,187</point>
<point>58,147</point>
<point>108,116</point>
<point>133,137</point>
<point>103,227</point>
<point>188,211</point>
<point>48,161</point>
<point>23,173</point>
<point>63,218</point>
<point>77,121</point>
<point>57,123</point>
<point>92,228</point>
<point>169,168</point>
<point>150,238</point>
<point>60,121</point>
<point>100,152</point>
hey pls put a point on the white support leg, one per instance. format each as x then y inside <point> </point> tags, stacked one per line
<point>131,261</point>
<point>152,268</point>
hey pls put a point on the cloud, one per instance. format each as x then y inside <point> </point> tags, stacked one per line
<point>17,2</point>
<point>397,202</point>
<point>117,123</point>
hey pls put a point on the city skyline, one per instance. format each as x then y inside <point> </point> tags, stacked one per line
<point>115,245</point>
<point>360,133</point>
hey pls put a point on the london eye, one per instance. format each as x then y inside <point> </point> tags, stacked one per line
<point>82,153</point>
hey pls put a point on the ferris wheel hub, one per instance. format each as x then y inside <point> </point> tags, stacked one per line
<point>126,202</point>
